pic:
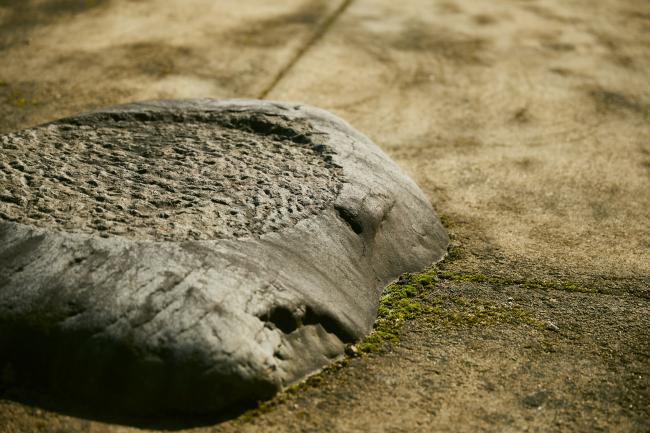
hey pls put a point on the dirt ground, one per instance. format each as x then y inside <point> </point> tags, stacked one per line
<point>525,121</point>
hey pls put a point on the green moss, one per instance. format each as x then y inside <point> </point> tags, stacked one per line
<point>573,287</point>
<point>399,302</point>
<point>478,278</point>
<point>20,102</point>
<point>446,220</point>
<point>461,311</point>
<point>454,252</point>
<point>404,300</point>
<point>14,97</point>
<point>505,281</point>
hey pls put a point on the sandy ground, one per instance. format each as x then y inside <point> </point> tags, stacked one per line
<point>526,123</point>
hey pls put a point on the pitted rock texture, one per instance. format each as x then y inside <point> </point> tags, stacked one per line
<point>166,177</point>
<point>240,297</point>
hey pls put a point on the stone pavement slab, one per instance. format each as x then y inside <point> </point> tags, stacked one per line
<point>63,57</point>
<point>527,122</point>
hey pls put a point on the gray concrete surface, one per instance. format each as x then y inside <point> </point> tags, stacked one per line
<point>526,123</point>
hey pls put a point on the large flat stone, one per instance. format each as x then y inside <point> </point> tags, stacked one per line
<point>193,255</point>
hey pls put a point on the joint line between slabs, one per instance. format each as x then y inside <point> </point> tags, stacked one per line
<point>318,34</point>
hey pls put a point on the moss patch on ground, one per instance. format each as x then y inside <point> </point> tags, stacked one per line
<point>459,310</point>
<point>14,97</point>
<point>401,301</point>
<point>406,300</point>
<point>505,281</point>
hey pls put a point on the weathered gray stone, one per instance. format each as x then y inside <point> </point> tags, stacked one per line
<point>195,255</point>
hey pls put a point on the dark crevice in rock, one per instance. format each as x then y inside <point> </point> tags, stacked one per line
<point>288,320</point>
<point>10,199</point>
<point>350,219</point>
<point>257,123</point>
<point>262,126</point>
<point>329,323</point>
<point>283,318</point>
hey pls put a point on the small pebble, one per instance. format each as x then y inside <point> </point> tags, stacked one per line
<point>552,327</point>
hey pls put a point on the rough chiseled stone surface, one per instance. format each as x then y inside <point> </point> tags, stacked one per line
<point>186,176</point>
<point>196,255</point>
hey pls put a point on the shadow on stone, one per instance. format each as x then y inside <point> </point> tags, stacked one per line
<point>41,357</point>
